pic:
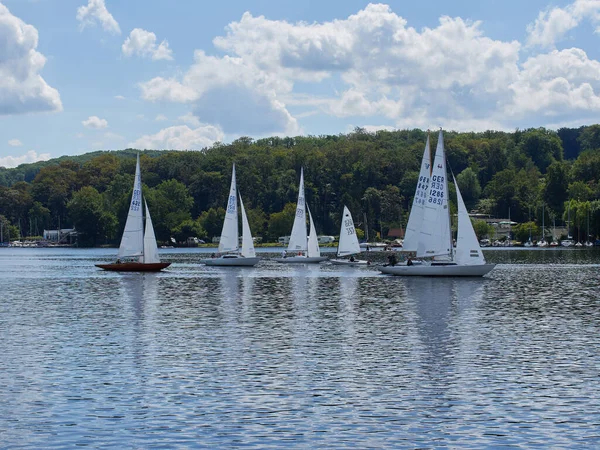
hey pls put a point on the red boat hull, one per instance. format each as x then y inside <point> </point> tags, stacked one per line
<point>134,267</point>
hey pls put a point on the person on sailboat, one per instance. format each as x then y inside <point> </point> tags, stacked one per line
<point>409,261</point>
<point>352,258</point>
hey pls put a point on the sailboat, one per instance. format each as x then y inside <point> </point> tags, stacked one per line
<point>348,244</point>
<point>137,242</point>
<point>230,254</point>
<point>435,237</point>
<point>302,249</point>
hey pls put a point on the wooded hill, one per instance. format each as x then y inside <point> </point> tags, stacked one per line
<point>374,174</point>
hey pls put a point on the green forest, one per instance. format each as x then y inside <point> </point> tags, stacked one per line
<point>373,173</point>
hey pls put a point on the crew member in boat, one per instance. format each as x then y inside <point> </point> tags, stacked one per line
<point>118,261</point>
<point>409,262</point>
<point>352,258</point>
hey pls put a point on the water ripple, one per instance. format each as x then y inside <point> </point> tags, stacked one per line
<point>298,356</point>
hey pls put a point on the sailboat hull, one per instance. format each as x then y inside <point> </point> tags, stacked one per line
<point>237,261</point>
<point>301,259</point>
<point>347,262</point>
<point>134,267</point>
<point>453,270</point>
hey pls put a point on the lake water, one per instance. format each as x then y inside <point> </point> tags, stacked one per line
<point>298,356</point>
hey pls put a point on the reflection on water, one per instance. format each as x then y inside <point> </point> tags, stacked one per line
<point>298,356</point>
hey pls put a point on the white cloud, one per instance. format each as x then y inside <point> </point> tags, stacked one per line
<point>15,143</point>
<point>552,24</point>
<point>375,128</point>
<point>95,11</point>
<point>227,91</point>
<point>372,64</point>
<point>180,137</point>
<point>556,83</point>
<point>119,97</point>
<point>191,119</point>
<point>95,122</point>
<point>22,89</point>
<point>30,157</point>
<point>143,43</point>
<point>389,68</point>
<point>161,118</point>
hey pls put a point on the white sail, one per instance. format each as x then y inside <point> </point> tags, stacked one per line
<point>132,241</point>
<point>298,237</point>
<point>348,243</point>
<point>247,243</point>
<point>468,251</point>
<point>150,247</point>
<point>230,234</point>
<point>313,241</point>
<point>415,220</point>
<point>435,238</point>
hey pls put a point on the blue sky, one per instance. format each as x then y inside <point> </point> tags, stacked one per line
<point>84,75</point>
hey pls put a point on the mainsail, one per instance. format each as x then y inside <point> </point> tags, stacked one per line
<point>435,238</point>
<point>415,220</point>
<point>298,236</point>
<point>348,243</point>
<point>229,241</point>
<point>132,242</point>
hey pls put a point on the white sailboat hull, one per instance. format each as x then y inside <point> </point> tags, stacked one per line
<point>347,262</point>
<point>426,270</point>
<point>302,259</point>
<point>232,261</point>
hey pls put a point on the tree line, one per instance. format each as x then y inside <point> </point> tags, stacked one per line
<point>373,173</point>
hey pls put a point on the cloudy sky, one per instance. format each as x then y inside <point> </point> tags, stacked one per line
<point>84,75</point>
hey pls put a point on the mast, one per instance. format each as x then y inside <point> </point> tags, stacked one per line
<point>441,137</point>
<point>543,223</point>
<point>587,239</point>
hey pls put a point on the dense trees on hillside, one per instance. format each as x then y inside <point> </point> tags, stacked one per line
<point>374,174</point>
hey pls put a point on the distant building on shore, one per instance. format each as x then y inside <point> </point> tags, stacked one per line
<point>64,236</point>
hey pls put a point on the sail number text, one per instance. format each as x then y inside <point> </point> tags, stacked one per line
<point>136,200</point>
<point>300,211</point>
<point>436,193</point>
<point>349,226</point>
<point>231,204</point>
<point>421,193</point>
